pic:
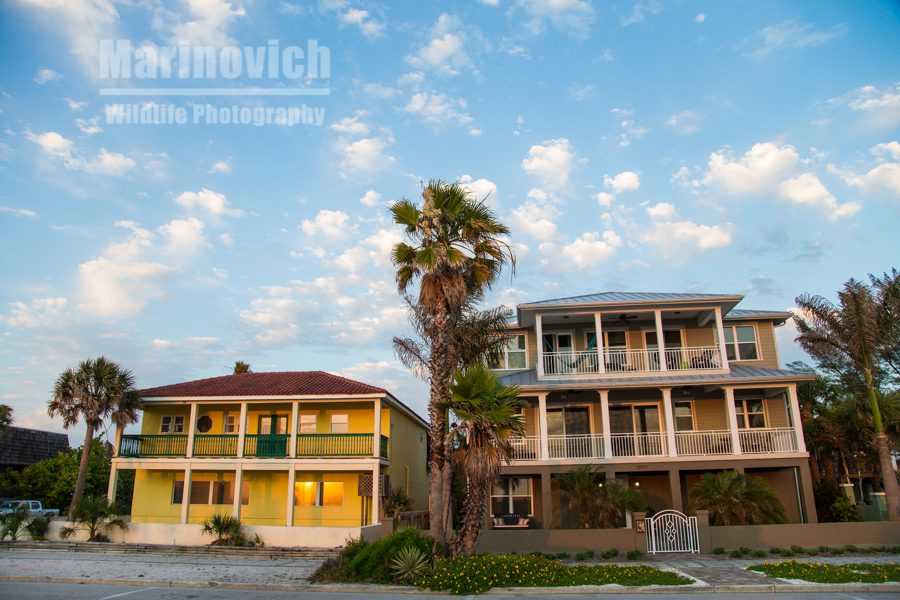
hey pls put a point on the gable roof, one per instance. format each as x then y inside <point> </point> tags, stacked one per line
<point>287,383</point>
<point>617,297</point>
<point>20,447</point>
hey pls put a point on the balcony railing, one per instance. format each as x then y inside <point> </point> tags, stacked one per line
<point>763,441</point>
<point>325,445</point>
<point>164,445</point>
<point>526,447</point>
<point>639,444</point>
<point>575,446</point>
<point>631,361</point>
<point>701,443</point>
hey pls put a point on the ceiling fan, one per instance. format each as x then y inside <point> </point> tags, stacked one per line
<point>624,318</point>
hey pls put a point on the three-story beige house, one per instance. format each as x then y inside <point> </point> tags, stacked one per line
<point>654,390</point>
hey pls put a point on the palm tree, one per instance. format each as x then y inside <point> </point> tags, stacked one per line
<point>600,503</point>
<point>455,250</point>
<point>6,418</point>
<point>487,417</point>
<point>241,367</point>
<point>861,332</point>
<point>97,390</point>
<point>96,515</point>
<point>733,498</point>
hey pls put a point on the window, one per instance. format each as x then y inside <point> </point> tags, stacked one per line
<point>307,424</point>
<point>740,342</point>
<point>319,493</point>
<point>177,492</point>
<point>199,492</point>
<point>172,424</point>
<point>751,413</point>
<point>273,425</point>
<point>512,355</point>
<point>210,492</point>
<point>511,496</point>
<point>340,424</point>
<point>230,424</point>
<point>684,415</point>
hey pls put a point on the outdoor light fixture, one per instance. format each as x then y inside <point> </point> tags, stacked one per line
<point>637,484</point>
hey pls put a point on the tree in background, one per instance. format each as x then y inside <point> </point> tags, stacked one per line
<point>734,498</point>
<point>487,414</point>
<point>598,502</point>
<point>859,336</point>
<point>6,418</point>
<point>455,249</point>
<point>94,392</point>
<point>241,367</point>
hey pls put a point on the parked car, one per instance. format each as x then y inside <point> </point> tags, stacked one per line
<point>33,507</point>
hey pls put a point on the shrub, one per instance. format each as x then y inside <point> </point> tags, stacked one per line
<point>362,561</point>
<point>850,548</point>
<point>226,528</point>
<point>479,573</point>
<point>396,502</point>
<point>720,550</point>
<point>634,554</point>
<point>409,564</point>
<point>797,549</point>
<point>38,527</point>
<point>736,554</point>
<point>776,550</point>
<point>822,573</point>
<point>13,525</point>
<point>563,556</point>
<point>844,510</point>
<point>759,553</point>
<point>581,556</point>
<point>97,516</point>
<point>611,553</point>
<point>733,498</point>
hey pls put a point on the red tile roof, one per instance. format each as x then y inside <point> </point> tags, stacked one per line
<point>290,383</point>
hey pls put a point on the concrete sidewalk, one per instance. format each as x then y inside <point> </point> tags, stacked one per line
<point>714,575</point>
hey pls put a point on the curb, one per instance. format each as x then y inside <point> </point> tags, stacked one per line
<point>523,591</point>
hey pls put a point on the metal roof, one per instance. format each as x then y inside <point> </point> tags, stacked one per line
<point>738,374</point>
<point>740,313</point>
<point>615,297</point>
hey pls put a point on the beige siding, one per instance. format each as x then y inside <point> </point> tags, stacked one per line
<point>765,342</point>
<point>776,413</point>
<point>710,414</point>
<point>699,336</point>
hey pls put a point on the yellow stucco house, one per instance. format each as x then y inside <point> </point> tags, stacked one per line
<point>294,455</point>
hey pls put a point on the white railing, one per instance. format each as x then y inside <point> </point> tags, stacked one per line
<point>762,441</point>
<point>639,444</point>
<point>630,361</point>
<point>526,448</point>
<point>576,446</point>
<point>700,443</point>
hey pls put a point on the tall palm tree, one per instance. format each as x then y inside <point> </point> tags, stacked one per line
<point>455,249</point>
<point>859,331</point>
<point>733,498</point>
<point>241,367</point>
<point>97,390</point>
<point>487,417</point>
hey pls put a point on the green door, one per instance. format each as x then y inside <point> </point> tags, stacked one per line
<point>273,436</point>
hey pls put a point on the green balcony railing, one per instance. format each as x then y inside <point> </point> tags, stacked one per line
<point>271,445</point>
<point>215,445</point>
<point>153,445</point>
<point>338,445</point>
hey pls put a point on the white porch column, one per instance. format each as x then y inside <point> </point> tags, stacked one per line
<point>242,430</point>
<point>796,419</point>
<point>117,441</point>
<point>292,478</point>
<point>192,427</point>
<point>295,416</point>
<point>720,331</point>
<point>113,482</point>
<point>186,495</point>
<point>598,326</point>
<point>607,432</point>
<point>670,420</point>
<point>542,426</point>
<point>732,420</point>
<point>238,484</point>
<point>660,341</point>
<point>376,430</point>
<point>376,494</point>
<point>539,335</point>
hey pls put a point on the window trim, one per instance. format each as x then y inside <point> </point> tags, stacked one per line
<point>510,496</point>
<point>319,494</point>
<point>331,417</point>
<point>229,420</point>
<point>504,360</point>
<point>733,327</point>
<point>315,423</point>
<point>745,414</point>
<point>275,418</point>
<point>689,401</point>
<point>173,421</point>
<point>211,492</point>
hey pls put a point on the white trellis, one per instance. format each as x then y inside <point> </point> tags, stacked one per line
<point>672,531</point>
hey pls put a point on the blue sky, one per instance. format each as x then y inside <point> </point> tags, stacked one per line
<point>747,147</point>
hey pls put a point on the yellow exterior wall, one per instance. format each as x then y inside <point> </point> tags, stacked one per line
<point>153,414</point>
<point>347,515</point>
<point>408,456</point>
<point>152,501</point>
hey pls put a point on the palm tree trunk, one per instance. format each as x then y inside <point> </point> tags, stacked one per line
<point>437,461</point>
<point>82,468</point>
<point>473,518</point>
<point>888,475</point>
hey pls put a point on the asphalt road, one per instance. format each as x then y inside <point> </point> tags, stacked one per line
<point>55,591</point>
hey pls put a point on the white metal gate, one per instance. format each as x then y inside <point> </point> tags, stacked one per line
<point>672,531</point>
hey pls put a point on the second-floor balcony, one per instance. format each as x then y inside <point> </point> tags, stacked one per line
<point>308,445</point>
<point>631,361</point>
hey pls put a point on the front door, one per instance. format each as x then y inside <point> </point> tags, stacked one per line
<point>635,421</point>
<point>272,439</point>
<point>571,426</point>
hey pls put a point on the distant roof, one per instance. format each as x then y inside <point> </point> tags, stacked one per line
<point>746,313</point>
<point>20,447</point>
<point>288,383</point>
<point>614,297</point>
<point>738,374</point>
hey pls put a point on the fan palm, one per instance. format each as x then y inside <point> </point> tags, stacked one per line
<point>487,417</point>
<point>733,498</point>
<point>599,503</point>
<point>455,249</point>
<point>96,515</point>
<point>861,330</point>
<point>97,390</point>
<point>6,418</point>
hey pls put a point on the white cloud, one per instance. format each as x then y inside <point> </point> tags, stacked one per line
<point>574,17</point>
<point>446,51</point>
<point>686,122</point>
<point>89,126</point>
<point>551,161</point>
<point>604,198</point>
<point>624,181</point>
<point>59,147</point>
<point>536,216</point>
<point>880,106</point>
<point>700,18</point>
<point>109,163</point>
<point>328,223</point>
<point>663,210</point>
<point>791,35</point>
<point>206,23</point>
<point>591,248</point>
<point>370,198</point>
<point>45,76</point>
<point>161,344</point>
<point>373,251</point>
<point>639,12</point>
<point>226,239</point>
<point>40,312</point>
<point>183,237</point>
<point>18,212</point>
<point>481,189</point>
<point>214,203</point>
<point>52,143</point>
<point>222,166</point>
<point>114,289</point>
<point>760,169</point>
<point>380,91</point>
<point>351,125</point>
<point>885,176</point>
<point>364,157</point>
<point>74,104</point>
<point>631,129</point>
<point>438,109</point>
<point>677,240</point>
<point>82,22</point>
<point>887,149</point>
<point>580,92</point>
<point>356,16</point>
<point>274,319</point>
<point>807,190</point>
